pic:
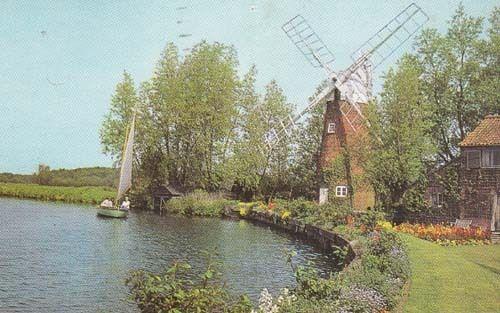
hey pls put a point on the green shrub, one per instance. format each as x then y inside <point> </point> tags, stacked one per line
<point>327,216</point>
<point>199,203</point>
<point>311,286</point>
<point>370,218</point>
<point>384,267</point>
<point>174,291</point>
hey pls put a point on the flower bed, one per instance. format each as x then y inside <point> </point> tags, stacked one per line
<point>373,282</point>
<point>446,235</point>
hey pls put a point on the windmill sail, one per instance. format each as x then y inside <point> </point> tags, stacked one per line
<point>126,166</point>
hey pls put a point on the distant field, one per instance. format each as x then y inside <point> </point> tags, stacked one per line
<point>78,177</point>
<point>87,195</point>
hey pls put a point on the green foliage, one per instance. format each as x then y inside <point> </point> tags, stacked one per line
<point>384,267</point>
<point>459,77</point>
<point>311,286</point>
<point>200,203</point>
<point>250,162</point>
<point>373,283</point>
<point>79,177</point>
<point>87,195</point>
<point>428,105</point>
<point>400,136</point>
<point>370,218</point>
<point>304,170</point>
<point>16,178</point>
<point>90,176</point>
<point>113,131</point>
<point>328,215</point>
<point>175,291</point>
<point>200,126</point>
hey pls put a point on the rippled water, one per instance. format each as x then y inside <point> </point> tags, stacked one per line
<point>63,258</point>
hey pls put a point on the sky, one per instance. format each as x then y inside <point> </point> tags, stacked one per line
<point>61,60</point>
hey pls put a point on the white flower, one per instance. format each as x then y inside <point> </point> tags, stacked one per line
<point>267,305</point>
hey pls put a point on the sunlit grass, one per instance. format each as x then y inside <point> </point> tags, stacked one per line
<point>453,279</point>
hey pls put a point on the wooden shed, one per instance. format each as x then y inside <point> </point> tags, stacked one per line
<point>162,194</point>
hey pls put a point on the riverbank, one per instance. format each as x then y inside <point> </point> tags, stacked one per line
<point>373,262</point>
<point>84,195</point>
<point>453,279</point>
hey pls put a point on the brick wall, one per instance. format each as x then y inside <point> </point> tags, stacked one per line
<point>333,144</point>
<point>477,188</point>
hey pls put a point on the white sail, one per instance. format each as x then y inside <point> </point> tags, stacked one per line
<point>126,166</point>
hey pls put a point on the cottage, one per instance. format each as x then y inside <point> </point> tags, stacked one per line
<point>479,174</point>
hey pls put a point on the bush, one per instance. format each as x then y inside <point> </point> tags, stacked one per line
<point>173,291</point>
<point>384,267</point>
<point>371,218</point>
<point>327,216</point>
<point>199,203</point>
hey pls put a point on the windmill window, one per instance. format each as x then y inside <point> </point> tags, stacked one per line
<point>474,159</point>
<point>491,158</point>
<point>341,191</point>
<point>331,128</point>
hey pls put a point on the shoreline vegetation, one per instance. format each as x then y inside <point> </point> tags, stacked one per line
<point>374,262</point>
<point>392,271</point>
<point>91,195</point>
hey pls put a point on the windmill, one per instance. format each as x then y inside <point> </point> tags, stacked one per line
<point>346,91</point>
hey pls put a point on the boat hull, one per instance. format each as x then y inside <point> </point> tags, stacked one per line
<point>111,213</point>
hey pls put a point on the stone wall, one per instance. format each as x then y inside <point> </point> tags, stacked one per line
<point>325,239</point>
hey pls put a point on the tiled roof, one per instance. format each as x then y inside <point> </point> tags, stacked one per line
<point>487,133</point>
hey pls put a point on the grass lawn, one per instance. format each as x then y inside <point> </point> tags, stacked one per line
<point>453,279</point>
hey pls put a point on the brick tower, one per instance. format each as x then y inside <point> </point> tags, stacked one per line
<point>337,138</point>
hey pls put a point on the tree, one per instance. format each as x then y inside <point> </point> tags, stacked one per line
<point>208,108</point>
<point>248,164</point>
<point>400,132</point>
<point>186,118</point>
<point>114,128</point>
<point>274,110</point>
<point>459,78</point>
<point>305,163</point>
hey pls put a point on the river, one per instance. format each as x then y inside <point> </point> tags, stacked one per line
<point>58,257</point>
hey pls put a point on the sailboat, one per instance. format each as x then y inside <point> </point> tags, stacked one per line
<point>125,175</point>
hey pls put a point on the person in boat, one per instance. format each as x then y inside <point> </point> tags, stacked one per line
<point>125,205</point>
<point>107,203</point>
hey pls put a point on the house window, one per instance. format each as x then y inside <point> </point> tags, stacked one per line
<point>474,159</point>
<point>331,128</point>
<point>491,158</point>
<point>341,191</point>
<point>437,200</point>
